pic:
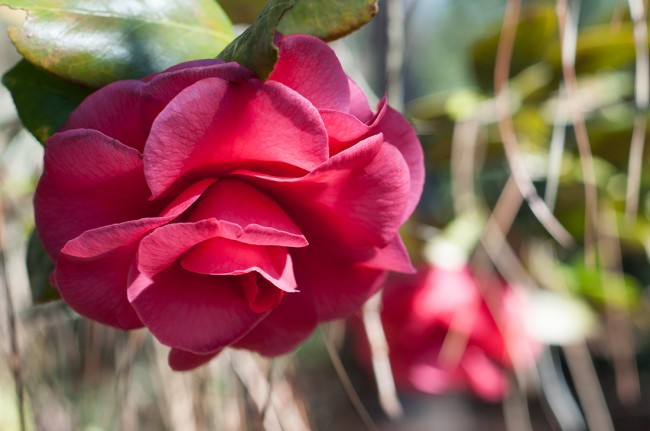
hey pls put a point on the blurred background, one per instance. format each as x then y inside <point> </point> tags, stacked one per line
<point>531,309</point>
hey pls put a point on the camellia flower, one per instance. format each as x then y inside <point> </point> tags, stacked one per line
<point>219,210</point>
<point>442,335</point>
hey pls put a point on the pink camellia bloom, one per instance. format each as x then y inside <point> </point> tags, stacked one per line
<point>219,210</point>
<point>442,334</point>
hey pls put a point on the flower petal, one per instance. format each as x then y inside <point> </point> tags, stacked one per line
<point>337,287</point>
<point>248,125</point>
<point>359,106</point>
<point>220,256</point>
<point>261,219</point>
<point>114,110</point>
<point>310,67</point>
<point>356,199</point>
<point>288,325</point>
<point>162,247</point>
<point>399,133</point>
<point>393,257</point>
<point>90,181</point>
<point>96,287</point>
<point>196,313</point>
<point>125,110</point>
<point>180,360</point>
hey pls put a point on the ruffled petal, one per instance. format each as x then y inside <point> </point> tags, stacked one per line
<point>220,256</point>
<point>195,313</point>
<point>247,125</point>
<point>162,247</point>
<point>261,219</point>
<point>90,181</point>
<point>92,272</point>
<point>356,199</point>
<point>289,324</point>
<point>307,65</point>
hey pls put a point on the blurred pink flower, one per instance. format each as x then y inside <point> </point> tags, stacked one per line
<point>443,335</point>
<point>219,210</point>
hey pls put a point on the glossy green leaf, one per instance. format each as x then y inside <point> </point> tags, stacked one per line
<point>97,42</point>
<point>39,267</point>
<point>242,12</point>
<point>254,48</point>
<point>43,100</point>
<point>327,19</point>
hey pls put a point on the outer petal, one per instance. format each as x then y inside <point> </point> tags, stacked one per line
<point>393,257</point>
<point>90,181</point>
<point>307,65</point>
<point>125,110</point>
<point>399,133</point>
<point>92,270</point>
<point>359,106</point>
<point>356,199</point>
<point>261,219</point>
<point>180,360</point>
<point>287,326</point>
<point>251,125</point>
<point>337,287</point>
<point>196,313</point>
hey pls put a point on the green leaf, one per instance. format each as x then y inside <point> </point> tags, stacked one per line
<point>254,48</point>
<point>242,12</point>
<point>327,19</point>
<point>39,267</point>
<point>43,100</point>
<point>97,42</point>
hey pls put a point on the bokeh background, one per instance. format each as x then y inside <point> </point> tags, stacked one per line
<point>533,118</point>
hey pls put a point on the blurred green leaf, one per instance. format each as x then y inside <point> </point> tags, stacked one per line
<point>536,29</point>
<point>97,42</point>
<point>43,100</point>
<point>254,48</point>
<point>327,19</point>
<point>39,267</point>
<point>602,286</point>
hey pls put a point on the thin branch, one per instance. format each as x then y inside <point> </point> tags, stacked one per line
<point>14,354</point>
<point>641,95</point>
<point>380,358</point>
<point>507,130</point>
<point>555,157</point>
<point>347,384</point>
<point>568,20</point>
<point>589,391</point>
<point>620,331</point>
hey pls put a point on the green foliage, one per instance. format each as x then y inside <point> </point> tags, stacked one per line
<point>254,48</point>
<point>43,100</point>
<point>327,19</point>
<point>39,267</point>
<point>95,43</point>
